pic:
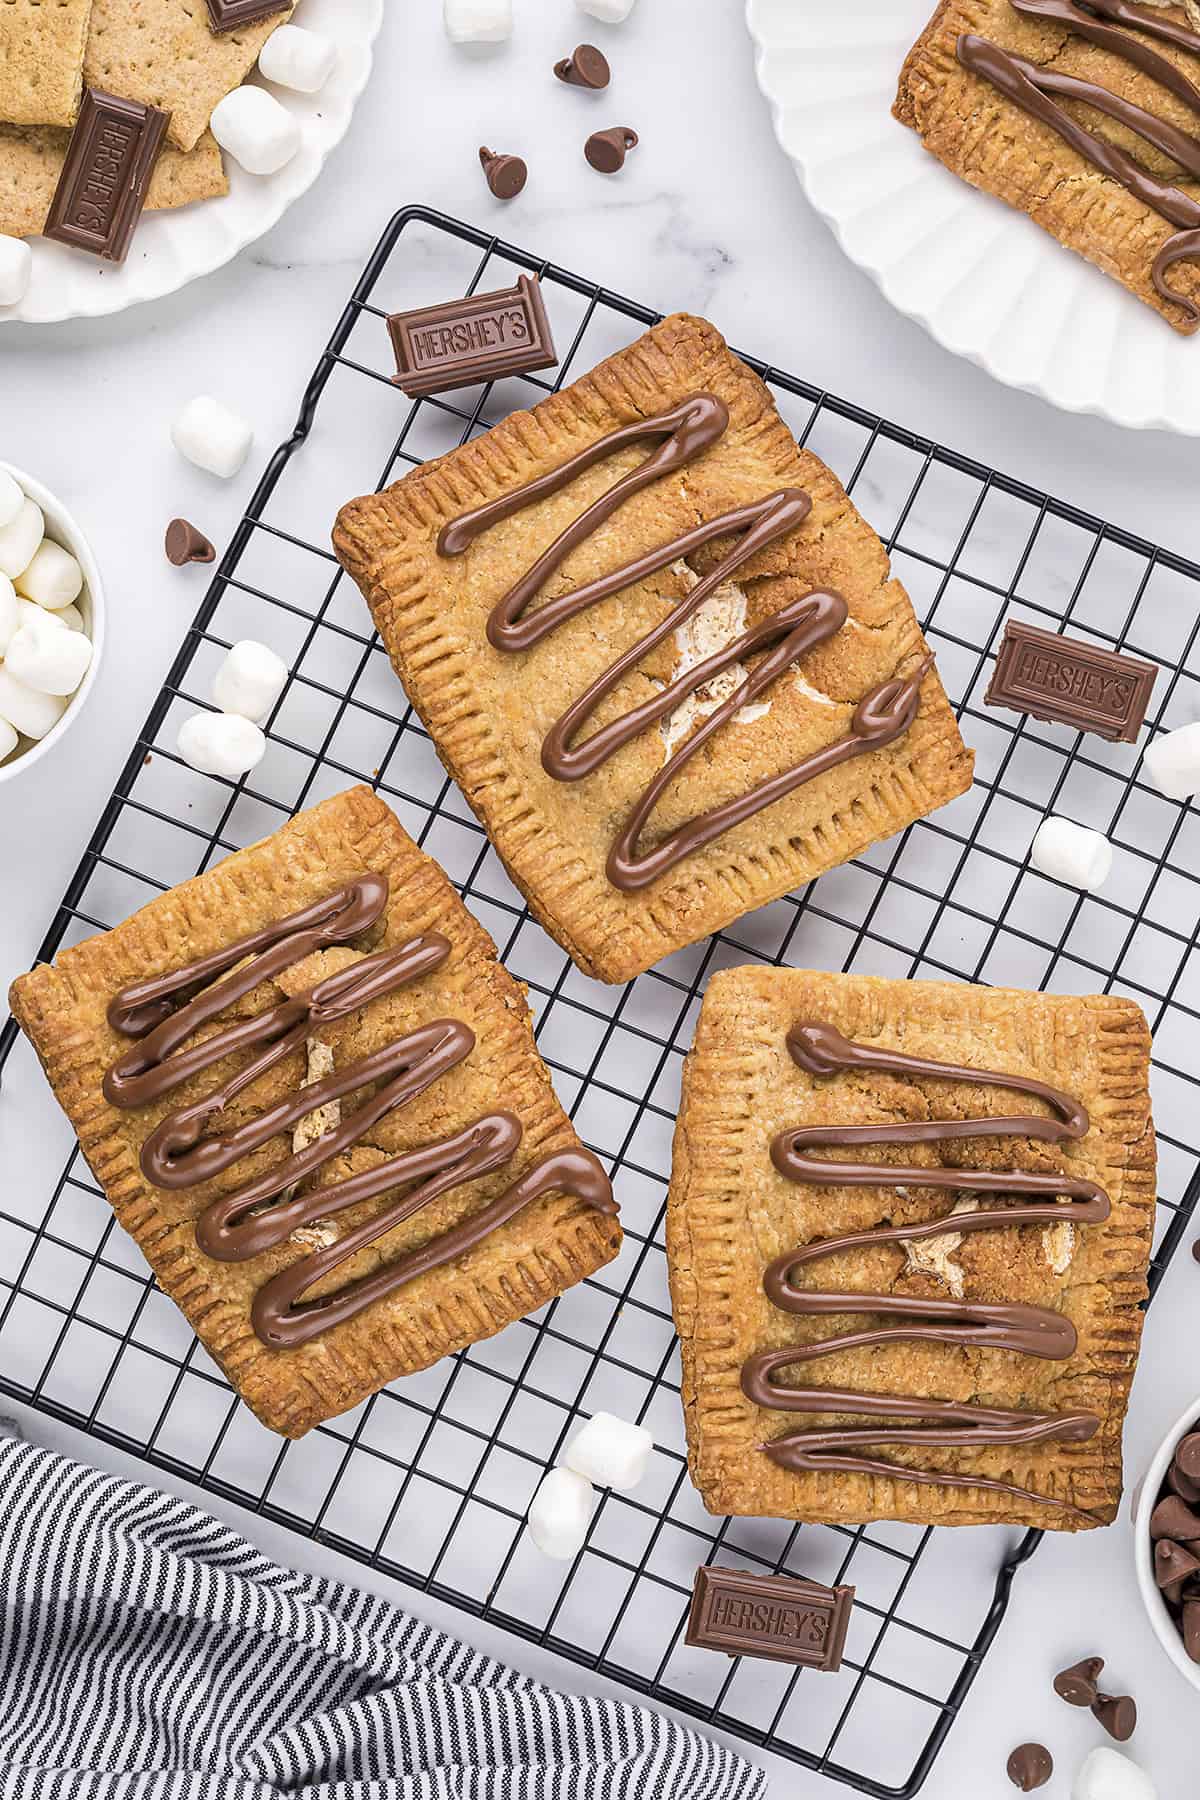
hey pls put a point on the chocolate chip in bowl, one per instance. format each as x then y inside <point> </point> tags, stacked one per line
<point>1167,1544</point>
<point>51,620</point>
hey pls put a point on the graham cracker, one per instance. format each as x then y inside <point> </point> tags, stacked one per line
<point>41,60</point>
<point>31,160</point>
<point>165,53</point>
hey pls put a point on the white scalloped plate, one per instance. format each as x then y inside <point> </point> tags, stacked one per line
<point>172,248</point>
<point>983,279</point>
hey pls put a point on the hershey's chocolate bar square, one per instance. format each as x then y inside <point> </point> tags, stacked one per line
<point>782,1618</point>
<point>1068,682</point>
<point>227,15</point>
<point>481,338</point>
<point>106,175</point>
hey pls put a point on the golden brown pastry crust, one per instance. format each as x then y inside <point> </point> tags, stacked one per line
<point>992,143</point>
<point>488,711</point>
<point>546,1248</point>
<point>730,1213</point>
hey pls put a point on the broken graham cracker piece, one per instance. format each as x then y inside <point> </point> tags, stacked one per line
<point>494,706</point>
<point>166,54</point>
<point>497,1239</point>
<point>31,162</point>
<point>783,1061</point>
<point>41,60</point>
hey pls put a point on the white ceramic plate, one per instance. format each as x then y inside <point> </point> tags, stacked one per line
<point>985,280</point>
<point>171,248</point>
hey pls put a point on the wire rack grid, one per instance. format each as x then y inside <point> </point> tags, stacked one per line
<point>429,1481</point>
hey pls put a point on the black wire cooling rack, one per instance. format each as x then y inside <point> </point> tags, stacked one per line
<point>429,1481</point>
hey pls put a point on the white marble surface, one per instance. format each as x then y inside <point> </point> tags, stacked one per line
<point>707,216</point>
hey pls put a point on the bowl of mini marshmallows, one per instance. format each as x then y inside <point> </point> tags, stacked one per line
<point>51,621</point>
<point>1166,1535</point>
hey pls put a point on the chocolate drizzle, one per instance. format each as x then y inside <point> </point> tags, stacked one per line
<point>686,432</point>
<point>180,1153</point>
<point>1111,25</point>
<point>822,1050</point>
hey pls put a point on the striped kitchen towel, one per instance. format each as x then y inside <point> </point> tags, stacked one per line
<point>147,1652</point>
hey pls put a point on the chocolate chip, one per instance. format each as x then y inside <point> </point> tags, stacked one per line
<point>587,68</point>
<point>1174,1518</point>
<point>607,150</point>
<point>1191,1629</point>
<point>1030,1766</point>
<point>1118,1715</point>
<point>1173,1563</point>
<point>1179,1484</point>
<point>506,175</point>
<point>1077,1685</point>
<point>184,544</point>
<point>1187,1457</point>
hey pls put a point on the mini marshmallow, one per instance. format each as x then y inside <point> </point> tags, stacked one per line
<point>478,21</point>
<point>610,1452</point>
<point>613,12</point>
<point>1173,762</point>
<point>27,610</point>
<point>52,576</point>
<point>31,713</point>
<point>8,739</point>
<point>560,1514</point>
<point>10,612</point>
<point>19,540</point>
<point>16,268</point>
<point>249,681</point>
<point>1071,853</point>
<point>11,499</point>
<point>1107,1775</point>
<point>256,130</point>
<point>295,58</point>
<point>212,437</point>
<point>221,744</point>
<point>47,657</point>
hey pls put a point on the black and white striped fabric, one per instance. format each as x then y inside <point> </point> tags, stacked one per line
<point>147,1652</point>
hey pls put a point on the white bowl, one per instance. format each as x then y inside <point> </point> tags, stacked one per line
<point>62,528</point>
<point>1165,1629</point>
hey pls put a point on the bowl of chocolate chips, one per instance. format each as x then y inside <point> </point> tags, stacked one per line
<point>1167,1544</point>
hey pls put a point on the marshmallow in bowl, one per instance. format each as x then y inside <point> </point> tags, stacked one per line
<point>8,739</point>
<point>47,657</point>
<point>1173,762</point>
<point>257,131</point>
<point>11,499</point>
<point>295,58</point>
<point>613,12</point>
<point>610,1452</point>
<point>52,577</point>
<point>27,711</point>
<point>70,616</point>
<point>1072,853</point>
<point>250,680</point>
<point>16,269</point>
<point>20,538</point>
<point>220,744</point>
<point>212,437</point>
<point>10,612</point>
<point>1107,1775</point>
<point>478,21</point>
<point>560,1514</point>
